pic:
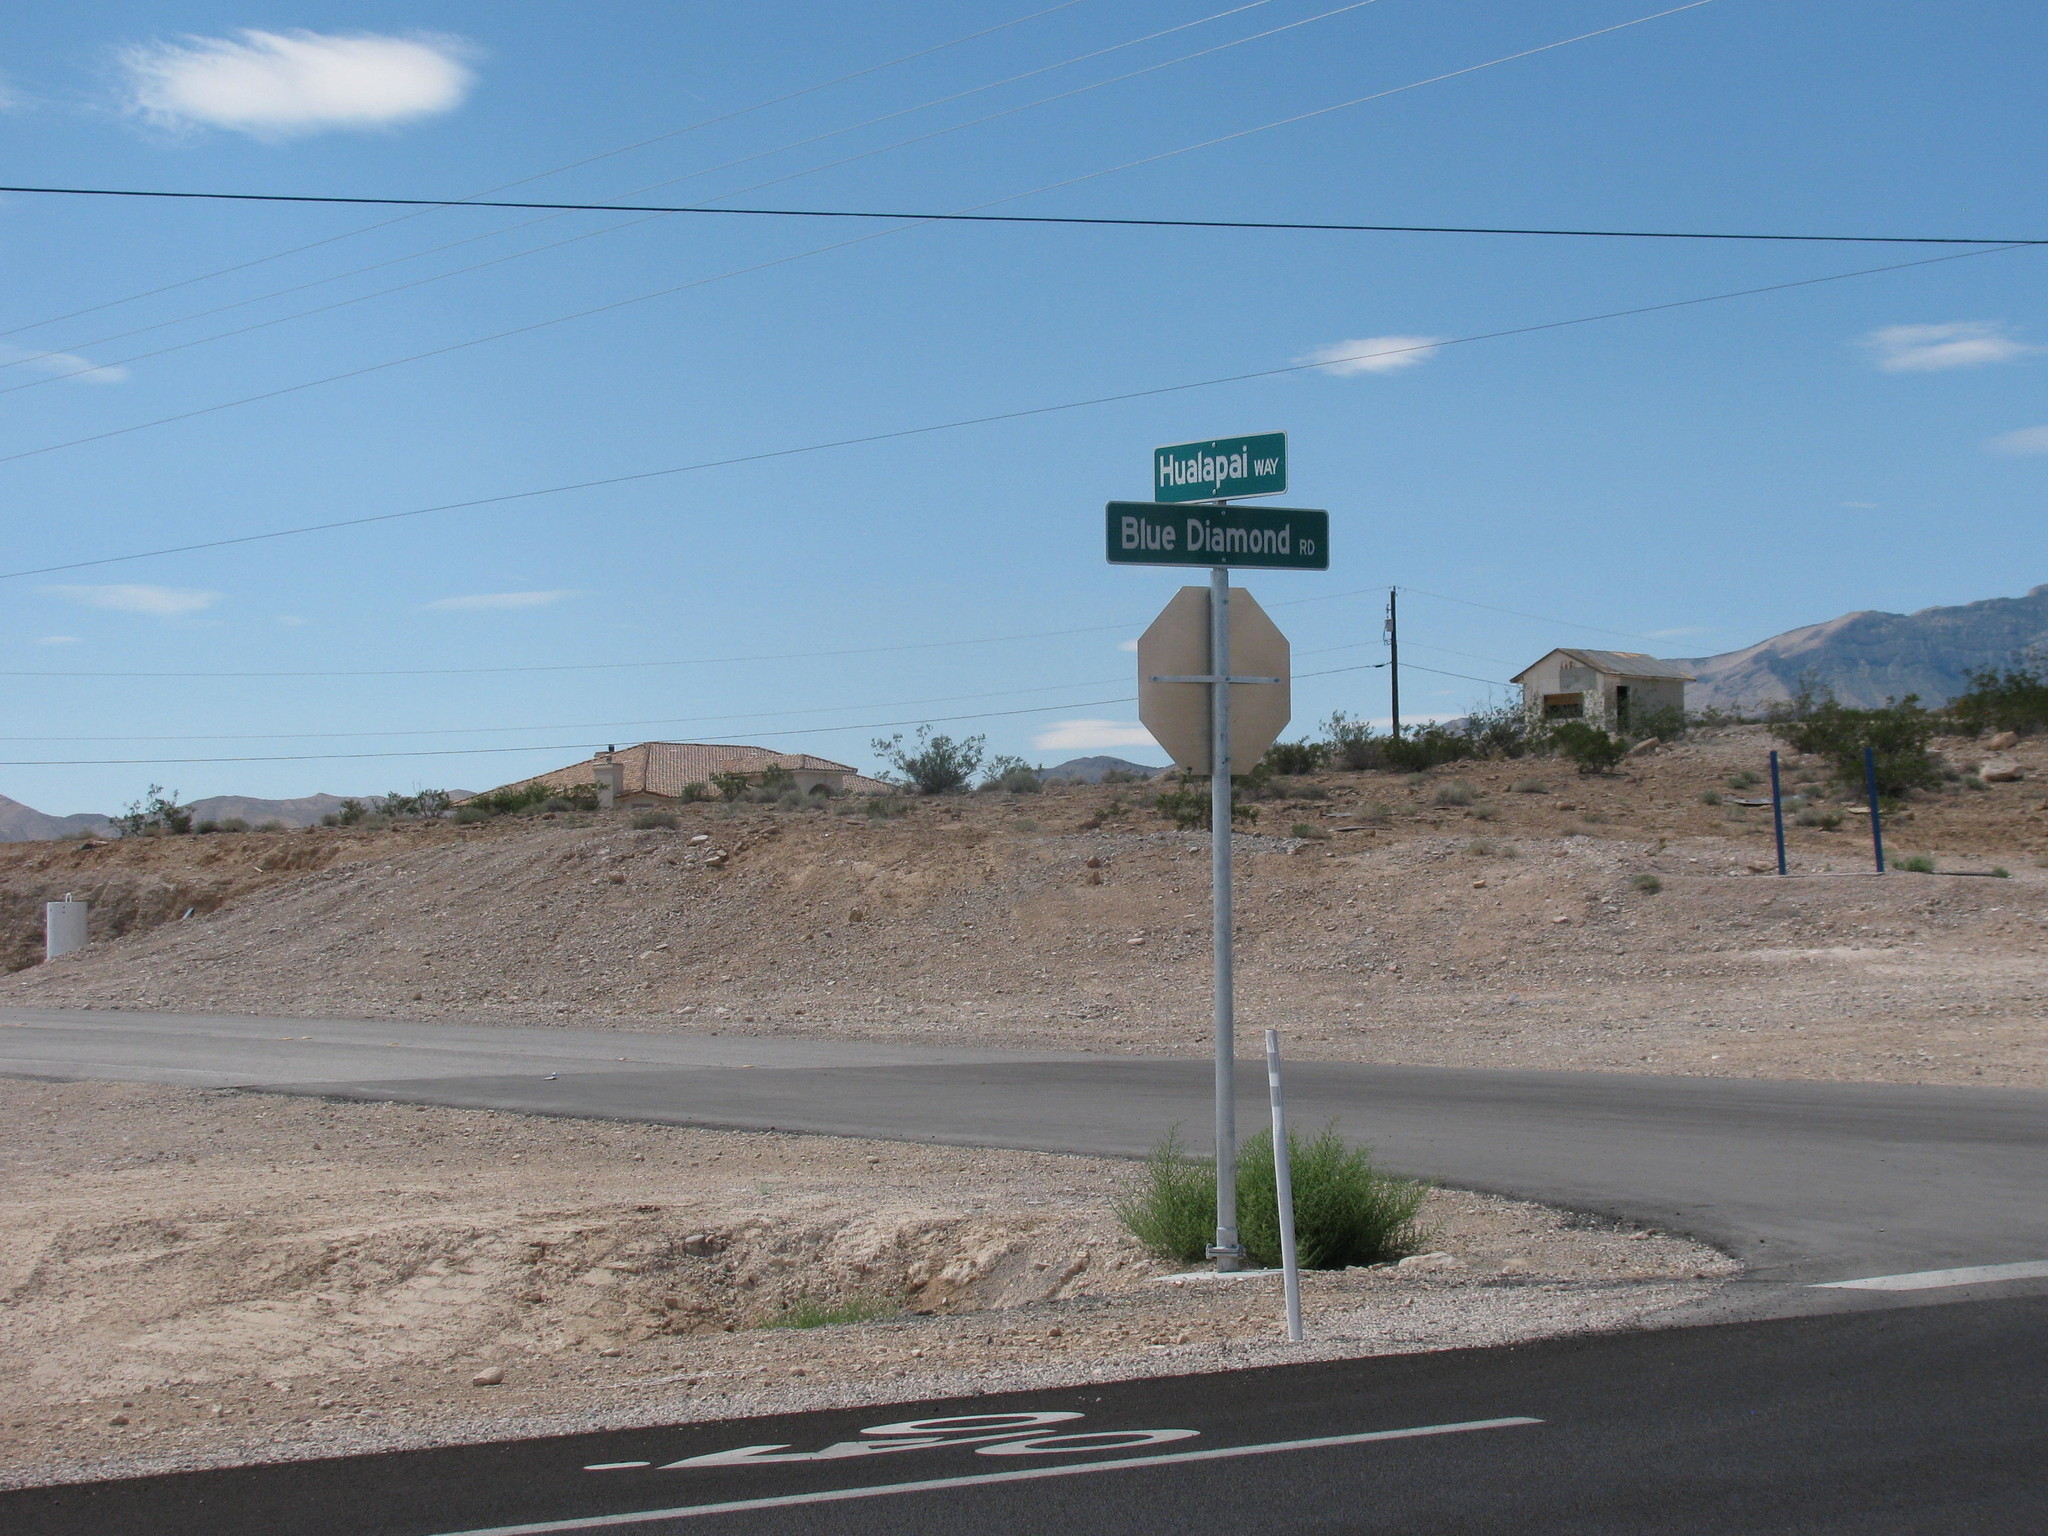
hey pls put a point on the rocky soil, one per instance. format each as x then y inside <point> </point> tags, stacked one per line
<point>193,1277</point>
<point>1486,913</point>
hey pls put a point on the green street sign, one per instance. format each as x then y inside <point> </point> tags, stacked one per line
<point>1221,468</point>
<point>1262,538</point>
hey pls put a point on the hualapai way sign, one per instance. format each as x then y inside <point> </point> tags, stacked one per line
<point>1221,468</point>
<point>1268,538</point>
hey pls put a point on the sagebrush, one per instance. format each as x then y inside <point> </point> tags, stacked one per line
<point>1346,1212</point>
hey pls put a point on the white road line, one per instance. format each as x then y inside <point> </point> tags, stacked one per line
<point>1026,1474</point>
<point>1935,1279</point>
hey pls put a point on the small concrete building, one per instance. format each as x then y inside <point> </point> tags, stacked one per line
<point>1610,689</point>
<point>653,775</point>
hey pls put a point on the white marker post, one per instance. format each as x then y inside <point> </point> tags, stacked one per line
<point>1283,1189</point>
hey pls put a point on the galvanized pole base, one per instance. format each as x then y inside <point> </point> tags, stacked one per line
<point>1283,1189</point>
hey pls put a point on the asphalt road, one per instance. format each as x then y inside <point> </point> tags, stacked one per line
<point>1804,1182</point>
<point>1921,1422</point>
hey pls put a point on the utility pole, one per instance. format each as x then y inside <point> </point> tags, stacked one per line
<point>1393,634</point>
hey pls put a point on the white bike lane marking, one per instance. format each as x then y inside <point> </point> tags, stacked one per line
<point>1938,1279</point>
<point>982,1479</point>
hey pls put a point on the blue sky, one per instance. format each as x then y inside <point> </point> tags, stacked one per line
<point>1697,478</point>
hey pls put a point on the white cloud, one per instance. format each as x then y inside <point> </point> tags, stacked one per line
<point>1092,736</point>
<point>1926,348</point>
<point>65,365</point>
<point>2025,441</point>
<point>479,602</point>
<point>1373,354</point>
<point>162,602</point>
<point>275,84</point>
<point>57,640</point>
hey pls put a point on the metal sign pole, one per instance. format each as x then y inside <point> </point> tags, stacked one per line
<point>1226,1251</point>
<point>1283,1190</point>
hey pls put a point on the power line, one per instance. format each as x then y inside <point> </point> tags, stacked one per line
<point>671,181</point>
<point>626,725</point>
<point>986,420</point>
<point>1517,613</point>
<point>319,757</point>
<point>708,122</point>
<point>584,314</point>
<point>926,217</point>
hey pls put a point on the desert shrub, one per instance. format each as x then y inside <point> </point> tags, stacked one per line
<point>694,791</point>
<point>1649,885</point>
<point>882,807</point>
<point>1352,743</point>
<point>1501,730</point>
<point>939,765</point>
<point>1483,848</point>
<point>1530,787</point>
<point>810,1312</point>
<point>1011,775</point>
<point>1973,781</point>
<point>1346,1211</point>
<point>1294,757</point>
<point>648,821</point>
<point>2014,699</point>
<point>731,786</point>
<point>1483,812</point>
<point>1897,733</point>
<point>1379,813</point>
<point>272,826</point>
<point>350,813</point>
<point>1188,804</point>
<point>156,814</point>
<point>2000,872</point>
<point>1122,776</point>
<point>509,802</point>
<point>1666,724</point>
<point>773,782</point>
<point>1710,797</point>
<point>469,815</point>
<point>1457,792</point>
<point>1590,748</point>
<point>1306,829</point>
<point>1744,780</point>
<point>1915,863</point>
<point>1424,747</point>
<point>1309,792</point>
<point>1827,821</point>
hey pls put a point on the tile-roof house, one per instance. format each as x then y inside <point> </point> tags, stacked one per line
<point>654,774</point>
<point>1604,688</point>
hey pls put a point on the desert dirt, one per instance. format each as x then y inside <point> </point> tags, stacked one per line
<point>1485,913</point>
<point>199,1277</point>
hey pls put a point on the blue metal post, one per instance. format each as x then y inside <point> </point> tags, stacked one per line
<point>1876,825</point>
<point>1778,811</point>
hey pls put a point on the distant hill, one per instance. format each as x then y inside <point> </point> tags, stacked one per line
<point>1090,770</point>
<point>22,824</point>
<point>1868,657</point>
<point>305,811</point>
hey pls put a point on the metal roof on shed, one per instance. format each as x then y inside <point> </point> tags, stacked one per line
<point>1615,664</point>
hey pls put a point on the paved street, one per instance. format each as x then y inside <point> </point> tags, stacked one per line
<point>1804,1182</point>
<point>1928,1421</point>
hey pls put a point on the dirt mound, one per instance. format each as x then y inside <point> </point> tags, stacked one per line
<point>1508,913</point>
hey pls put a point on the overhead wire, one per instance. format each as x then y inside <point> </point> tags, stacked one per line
<point>708,122</point>
<point>668,292</point>
<point>652,214</point>
<point>926,216</point>
<point>881,725</point>
<point>991,418</point>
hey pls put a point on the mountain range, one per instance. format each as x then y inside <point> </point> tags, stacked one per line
<point>1868,657</point>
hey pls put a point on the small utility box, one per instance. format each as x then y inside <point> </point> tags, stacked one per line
<point>63,927</point>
